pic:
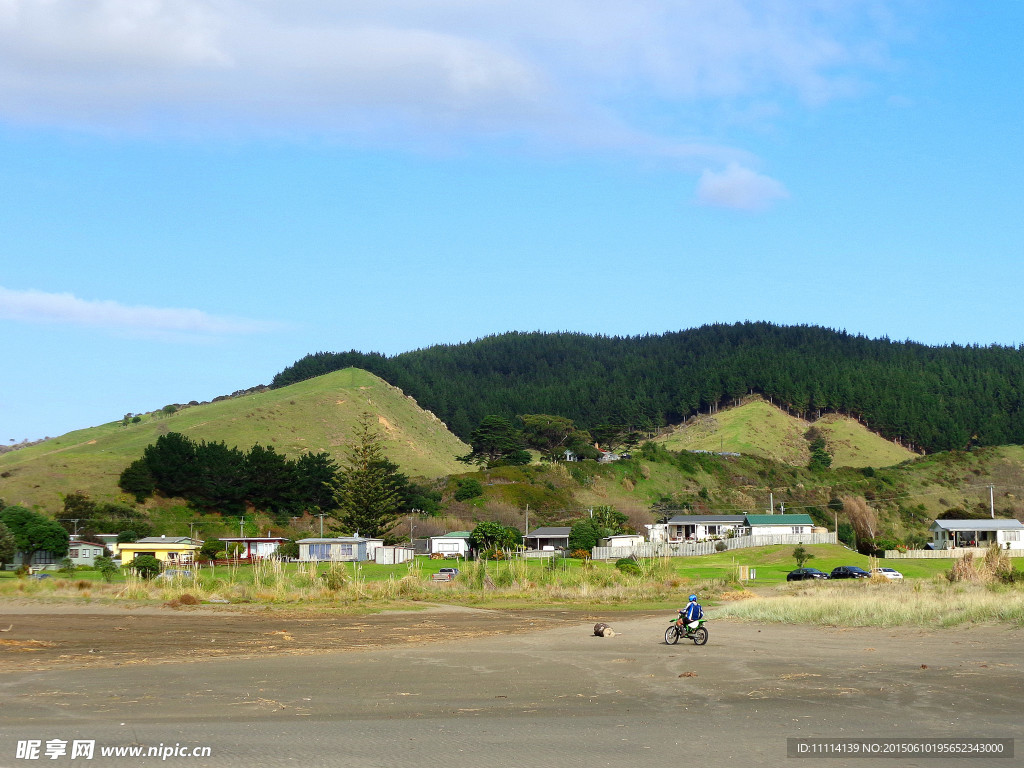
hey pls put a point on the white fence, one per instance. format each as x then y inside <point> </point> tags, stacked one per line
<point>695,548</point>
<point>947,554</point>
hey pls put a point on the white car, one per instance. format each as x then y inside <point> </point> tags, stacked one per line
<point>889,573</point>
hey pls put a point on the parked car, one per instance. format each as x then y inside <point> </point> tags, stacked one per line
<point>452,572</point>
<point>888,573</point>
<point>849,572</point>
<point>801,574</point>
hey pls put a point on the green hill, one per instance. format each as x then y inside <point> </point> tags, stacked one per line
<point>756,427</point>
<point>312,416</point>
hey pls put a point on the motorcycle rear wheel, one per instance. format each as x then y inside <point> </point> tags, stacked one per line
<point>700,636</point>
<point>672,635</point>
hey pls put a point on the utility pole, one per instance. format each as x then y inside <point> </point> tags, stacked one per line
<point>321,515</point>
<point>527,531</point>
<point>771,502</point>
<point>992,501</point>
<point>75,520</point>
<point>241,527</point>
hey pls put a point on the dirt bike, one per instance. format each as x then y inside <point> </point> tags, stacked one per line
<point>698,634</point>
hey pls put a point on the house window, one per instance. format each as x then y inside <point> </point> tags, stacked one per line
<point>798,529</point>
<point>1012,536</point>
<point>345,550</point>
<point>72,553</point>
<point>319,551</point>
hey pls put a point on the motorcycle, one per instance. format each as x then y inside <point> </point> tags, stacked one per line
<point>698,634</point>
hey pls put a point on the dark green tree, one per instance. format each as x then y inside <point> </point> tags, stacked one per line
<point>553,435</point>
<point>367,493</point>
<point>7,546</point>
<point>137,480</point>
<point>584,534</point>
<point>33,533</point>
<point>490,535</point>
<point>496,442</point>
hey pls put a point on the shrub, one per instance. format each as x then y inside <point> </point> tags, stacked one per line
<point>720,546</point>
<point>580,554</point>
<point>628,565</point>
<point>145,566</point>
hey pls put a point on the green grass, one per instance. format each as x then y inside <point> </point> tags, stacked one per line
<point>757,427</point>
<point>312,416</point>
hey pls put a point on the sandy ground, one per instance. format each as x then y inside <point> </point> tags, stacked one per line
<point>453,686</point>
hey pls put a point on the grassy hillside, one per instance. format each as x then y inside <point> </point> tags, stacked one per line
<point>758,428</point>
<point>311,416</point>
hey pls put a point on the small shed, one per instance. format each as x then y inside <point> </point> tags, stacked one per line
<point>623,540</point>
<point>345,549</point>
<point>550,538</point>
<point>454,544</point>
<point>393,555</point>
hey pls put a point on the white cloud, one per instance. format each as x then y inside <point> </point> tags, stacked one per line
<point>562,70</point>
<point>64,308</point>
<point>740,188</point>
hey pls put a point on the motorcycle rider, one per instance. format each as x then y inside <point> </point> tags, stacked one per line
<point>691,615</point>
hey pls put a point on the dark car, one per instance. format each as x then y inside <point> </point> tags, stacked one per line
<point>849,572</point>
<point>800,574</point>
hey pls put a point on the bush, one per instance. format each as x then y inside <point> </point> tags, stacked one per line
<point>720,546</point>
<point>580,554</point>
<point>145,566</point>
<point>628,565</point>
<point>106,566</point>
<point>469,488</point>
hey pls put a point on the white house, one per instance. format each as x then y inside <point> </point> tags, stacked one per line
<point>254,547</point>
<point>346,549</point>
<point>454,544</point>
<point>702,527</point>
<point>775,525</point>
<point>1008,534</point>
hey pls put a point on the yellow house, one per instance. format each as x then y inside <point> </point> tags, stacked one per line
<point>170,550</point>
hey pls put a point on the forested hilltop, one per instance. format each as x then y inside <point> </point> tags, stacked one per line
<point>930,397</point>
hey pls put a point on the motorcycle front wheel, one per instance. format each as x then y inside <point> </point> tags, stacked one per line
<point>700,636</point>
<point>672,635</point>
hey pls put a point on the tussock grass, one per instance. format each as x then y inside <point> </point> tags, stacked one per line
<point>927,604</point>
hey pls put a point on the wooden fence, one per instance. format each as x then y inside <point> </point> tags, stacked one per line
<point>695,548</point>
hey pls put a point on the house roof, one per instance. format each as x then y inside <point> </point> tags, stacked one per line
<point>779,520</point>
<point>183,541</point>
<point>252,538</point>
<point>549,532</point>
<point>691,519</point>
<point>454,535</point>
<point>338,540</point>
<point>978,525</point>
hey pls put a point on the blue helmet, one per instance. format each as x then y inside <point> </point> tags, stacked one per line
<point>693,598</point>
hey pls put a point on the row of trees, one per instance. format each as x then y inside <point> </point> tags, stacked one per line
<point>936,398</point>
<point>366,494</point>
<point>499,441</point>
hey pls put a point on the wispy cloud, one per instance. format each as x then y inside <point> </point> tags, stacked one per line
<point>172,324</point>
<point>555,71</point>
<point>740,188</point>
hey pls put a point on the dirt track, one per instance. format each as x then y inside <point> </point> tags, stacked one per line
<point>451,686</point>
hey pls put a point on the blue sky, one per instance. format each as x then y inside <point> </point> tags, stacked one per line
<point>196,193</point>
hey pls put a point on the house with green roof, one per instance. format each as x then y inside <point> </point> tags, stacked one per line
<point>454,544</point>
<point>775,525</point>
